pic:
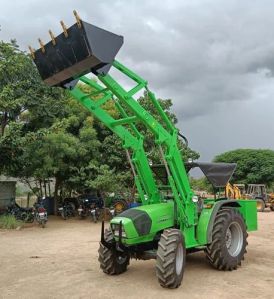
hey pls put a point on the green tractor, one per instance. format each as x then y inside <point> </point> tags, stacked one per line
<point>171,221</point>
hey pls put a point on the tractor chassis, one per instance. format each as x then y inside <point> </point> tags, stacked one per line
<point>143,251</point>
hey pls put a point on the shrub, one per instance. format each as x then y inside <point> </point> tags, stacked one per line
<point>9,222</point>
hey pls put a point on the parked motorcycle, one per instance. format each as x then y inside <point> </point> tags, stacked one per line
<point>95,213</point>
<point>98,214</point>
<point>89,206</point>
<point>20,213</point>
<point>84,209</point>
<point>67,209</point>
<point>40,212</point>
<point>27,215</point>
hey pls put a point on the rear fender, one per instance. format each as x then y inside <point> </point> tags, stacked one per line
<point>207,217</point>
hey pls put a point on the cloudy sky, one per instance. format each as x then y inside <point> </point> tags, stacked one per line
<point>215,59</point>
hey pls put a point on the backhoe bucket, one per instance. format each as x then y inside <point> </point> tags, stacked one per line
<point>80,49</point>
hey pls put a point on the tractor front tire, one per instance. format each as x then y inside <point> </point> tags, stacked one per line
<point>111,261</point>
<point>171,256</point>
<point>229,240</point>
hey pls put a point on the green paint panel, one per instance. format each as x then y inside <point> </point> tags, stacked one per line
<point>203,225</point>
<point>249,211</point>
<point>247,208</point>
<point>162,217</point>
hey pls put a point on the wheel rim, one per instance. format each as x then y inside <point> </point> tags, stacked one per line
<point>179,259</point>
<point>119,207</point>
<point>234,239</point>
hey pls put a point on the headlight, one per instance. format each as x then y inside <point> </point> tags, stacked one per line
<point>115,230</point>
<point>195,198</point>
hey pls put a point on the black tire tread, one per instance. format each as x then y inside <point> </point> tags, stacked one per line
<point>166,258</point>
<point>215,252</point>
<point>107,258</point>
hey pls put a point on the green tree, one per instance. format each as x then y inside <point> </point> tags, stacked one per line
<point>47,134</point>
<point>26,106</point>
<point>166,104</point>
<point>200,184</point>
<point>254,166</point>
<point>17,78</point>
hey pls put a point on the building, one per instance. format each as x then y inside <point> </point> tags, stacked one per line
<point>7,192</point>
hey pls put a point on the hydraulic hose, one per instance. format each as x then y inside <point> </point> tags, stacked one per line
<point>184,138</point>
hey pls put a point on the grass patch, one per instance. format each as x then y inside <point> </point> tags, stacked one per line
<point>9,222</point>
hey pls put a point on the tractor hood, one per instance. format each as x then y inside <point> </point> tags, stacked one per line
<point>142,223</point>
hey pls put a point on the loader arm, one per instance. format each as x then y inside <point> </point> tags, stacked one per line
<point>166,139</point>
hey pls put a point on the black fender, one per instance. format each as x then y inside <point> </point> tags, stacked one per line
<point>217,207</point>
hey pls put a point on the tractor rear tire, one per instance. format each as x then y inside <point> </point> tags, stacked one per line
<point>111,261</point>
<point>229,240</point>
<point>120,205</point>
<point>260,205</point>
<point>171,256</point>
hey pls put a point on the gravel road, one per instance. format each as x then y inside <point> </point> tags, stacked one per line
<point>60,261</point>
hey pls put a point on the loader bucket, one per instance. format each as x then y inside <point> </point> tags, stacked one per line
<point>80,49</point>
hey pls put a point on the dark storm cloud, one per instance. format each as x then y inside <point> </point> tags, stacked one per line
<point>208,56</point>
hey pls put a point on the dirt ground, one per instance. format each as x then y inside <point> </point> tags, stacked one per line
<point>60,261</point>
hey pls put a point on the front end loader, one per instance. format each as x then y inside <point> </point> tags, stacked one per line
<point>171,221</point>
